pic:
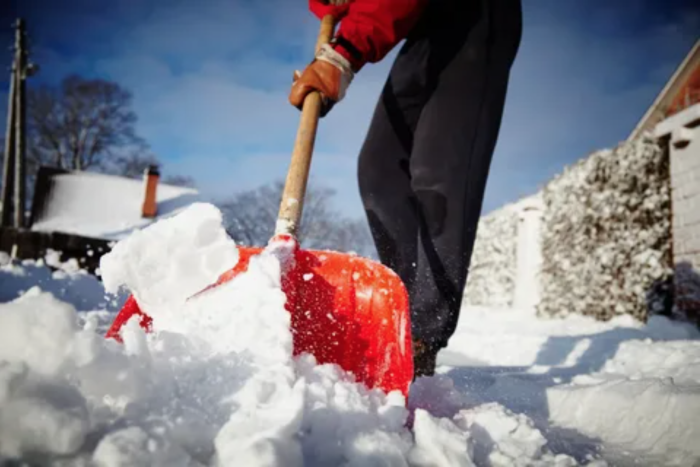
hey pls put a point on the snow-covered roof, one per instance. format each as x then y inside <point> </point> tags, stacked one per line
<point>98,205</point>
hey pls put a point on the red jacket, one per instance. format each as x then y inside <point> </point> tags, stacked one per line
<point>370,28</point>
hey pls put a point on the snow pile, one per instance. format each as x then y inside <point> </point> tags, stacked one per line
<point>216,383</point>
<point>66,281</point>
<point>655,389</point>
<point>621,389</point>
<point>606,234</point>
<point>491,279</point>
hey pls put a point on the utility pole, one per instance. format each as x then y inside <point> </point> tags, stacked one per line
<point>8,173</point>
<point>15,166</point>
<point>20,141</point>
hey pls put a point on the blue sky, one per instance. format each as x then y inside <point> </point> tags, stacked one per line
<point>210,81</point>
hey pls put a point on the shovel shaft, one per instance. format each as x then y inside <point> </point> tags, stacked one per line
<point>325,34</point>
<point>292,204</point>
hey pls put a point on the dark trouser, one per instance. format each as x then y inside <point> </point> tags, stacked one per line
<point>424,163</point>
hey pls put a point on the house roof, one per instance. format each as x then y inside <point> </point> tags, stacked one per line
<point>681,90</point>
<point>98,205</point>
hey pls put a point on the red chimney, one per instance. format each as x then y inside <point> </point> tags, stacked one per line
<point>150,206</point>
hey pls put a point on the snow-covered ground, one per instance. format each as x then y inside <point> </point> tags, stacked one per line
<point>623,391</point>
<point>217,383</point>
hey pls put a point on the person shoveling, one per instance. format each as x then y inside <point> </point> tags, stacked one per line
<point>422,174</point>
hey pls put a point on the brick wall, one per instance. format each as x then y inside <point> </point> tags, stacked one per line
<point>685,186</point>
<point>681,134</point>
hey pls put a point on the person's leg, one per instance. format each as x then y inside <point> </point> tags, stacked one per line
<point>452,148</point>
<point>431,179</point>
<point>383,165</point>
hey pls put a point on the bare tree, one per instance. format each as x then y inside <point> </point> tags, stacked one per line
<point>250,215</point>
<point>179,180</point>
<point>350,235</point>
<point>137,160</point>
<point>81,124</point>
<point>88,124</point>
<point>250,218</point>
<point>132,164</point>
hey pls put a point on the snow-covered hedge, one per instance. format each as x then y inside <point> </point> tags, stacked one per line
<point>607,234</point>
<point>491,279</point>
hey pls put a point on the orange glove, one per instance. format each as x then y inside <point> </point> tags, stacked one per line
<point>330,74</point>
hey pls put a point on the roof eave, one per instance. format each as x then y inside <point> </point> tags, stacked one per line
<point>652,111</point>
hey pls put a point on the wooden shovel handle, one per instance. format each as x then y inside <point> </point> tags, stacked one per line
<point>292,202</point>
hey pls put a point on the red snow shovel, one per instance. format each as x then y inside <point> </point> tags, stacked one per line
<point>344,309</point>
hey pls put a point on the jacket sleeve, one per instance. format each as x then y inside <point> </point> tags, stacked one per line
<point>371,28</point>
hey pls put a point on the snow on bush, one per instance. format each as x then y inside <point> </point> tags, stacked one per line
<point>216,382</point>
<point>491,278</point>
<point>606,234</point>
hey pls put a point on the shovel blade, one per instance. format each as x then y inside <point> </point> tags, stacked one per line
<point>344,309</point>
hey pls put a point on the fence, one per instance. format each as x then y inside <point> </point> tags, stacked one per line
<point>27,244</point>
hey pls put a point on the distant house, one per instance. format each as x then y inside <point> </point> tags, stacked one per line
<point>101,206</point>
<point>82,213</point>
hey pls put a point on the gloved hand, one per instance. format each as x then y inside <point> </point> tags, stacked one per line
<point>330,73</point>
<point>337,8</point>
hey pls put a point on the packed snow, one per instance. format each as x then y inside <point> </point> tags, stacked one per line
<point>623,390</point>
<point>216,383</point>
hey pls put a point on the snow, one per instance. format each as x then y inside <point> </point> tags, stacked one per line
<point>626,389</point>
<point>216,382</point>
<point>64,280</point>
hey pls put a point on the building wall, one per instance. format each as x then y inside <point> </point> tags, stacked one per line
<point>681,135</point>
